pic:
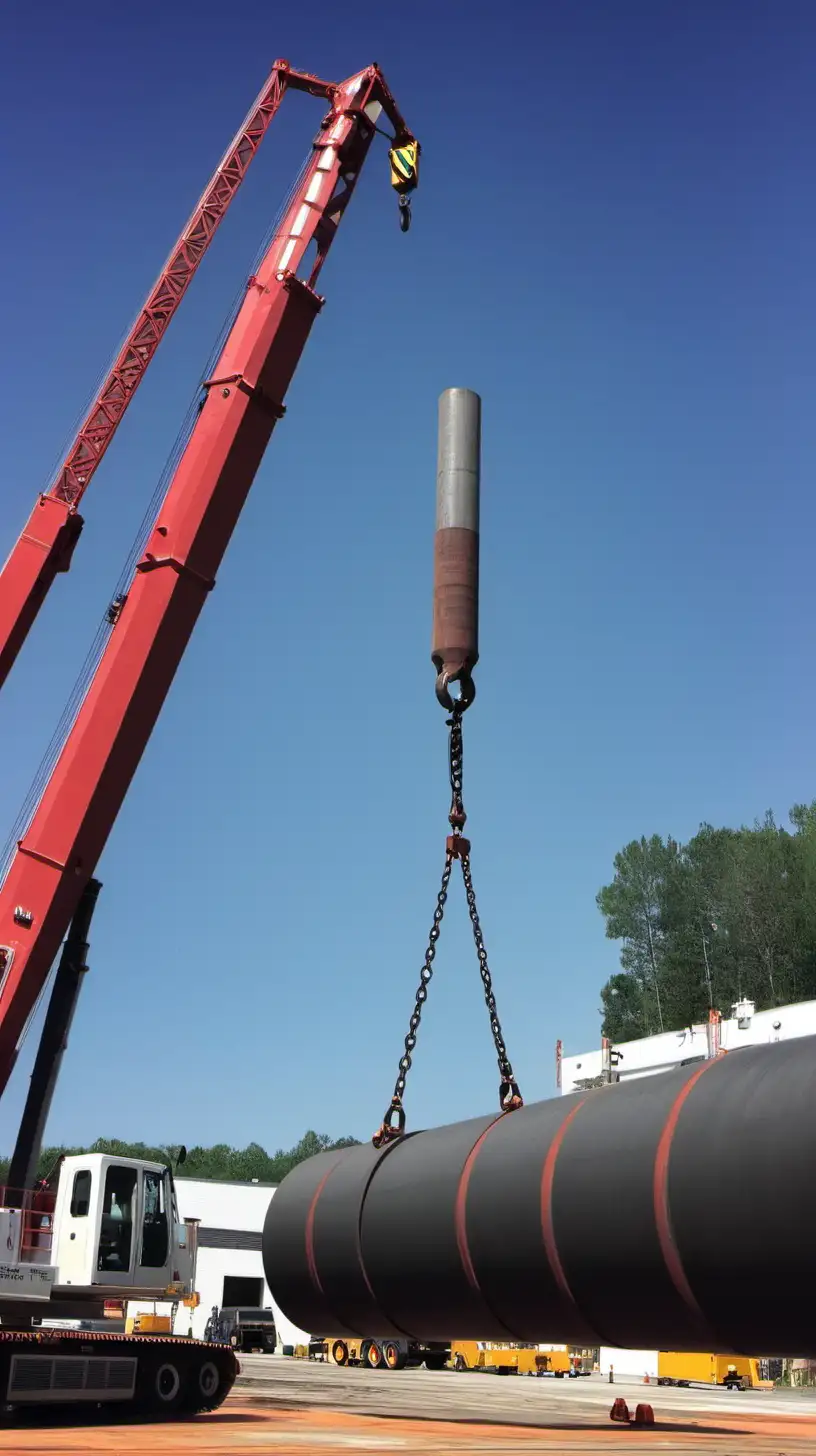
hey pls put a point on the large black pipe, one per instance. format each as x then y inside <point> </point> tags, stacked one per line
<point>670,1212</point>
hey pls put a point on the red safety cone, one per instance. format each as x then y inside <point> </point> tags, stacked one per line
<point>644,1415</point>
<point>620,1411</point>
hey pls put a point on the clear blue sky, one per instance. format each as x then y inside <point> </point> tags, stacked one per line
<point>613,243</point>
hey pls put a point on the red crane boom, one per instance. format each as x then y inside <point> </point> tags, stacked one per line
<point>244,398</point>
<point>47,542</point>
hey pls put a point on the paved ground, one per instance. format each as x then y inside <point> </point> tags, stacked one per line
<point>520,1399</point>
<point>291,1408</point>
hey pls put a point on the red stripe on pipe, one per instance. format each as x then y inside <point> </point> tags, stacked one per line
<point>310,1253</point>
<point>547,1226</point>
<point>310,1218</point>
<point>358,1236</point>
<point>663,1223</point>
<point>460,1207</point>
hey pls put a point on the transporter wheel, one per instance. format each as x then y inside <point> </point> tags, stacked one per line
<point>373,1356</point>
<point>340,1354</point>
<point>162,1384</point>
<point>393,1357</point>
<point>436,1360</point>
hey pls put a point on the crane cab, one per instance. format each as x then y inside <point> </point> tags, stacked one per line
<point>116,1225</point>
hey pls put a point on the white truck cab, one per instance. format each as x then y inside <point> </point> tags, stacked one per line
<point>116,1224</point>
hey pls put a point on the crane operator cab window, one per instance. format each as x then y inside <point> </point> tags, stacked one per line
<point>116,1232</point>
<point>81,1194</point>
<point>155,1226</point>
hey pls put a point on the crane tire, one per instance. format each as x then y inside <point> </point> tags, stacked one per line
<point>207,1385</point>
<point>162,1382</point>
<point>340,1354</point>
<point>373,1355</point>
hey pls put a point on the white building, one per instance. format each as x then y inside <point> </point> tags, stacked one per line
<point>652,1054</point>
<point>230,1267</point>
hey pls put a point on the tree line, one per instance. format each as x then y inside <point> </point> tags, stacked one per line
<point>220,1162</point>
<point>730,915</point>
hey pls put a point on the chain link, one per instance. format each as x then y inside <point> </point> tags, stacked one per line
<point>457,818</point>
<point>505,1069</point>
<point>424,981</point>
<point>393,1124</point>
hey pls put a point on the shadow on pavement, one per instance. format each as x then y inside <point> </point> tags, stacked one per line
<point>681,1427</point>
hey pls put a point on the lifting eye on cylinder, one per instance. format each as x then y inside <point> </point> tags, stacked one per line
<point>404,160</point>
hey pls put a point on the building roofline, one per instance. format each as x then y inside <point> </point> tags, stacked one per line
<point>225,1182</point>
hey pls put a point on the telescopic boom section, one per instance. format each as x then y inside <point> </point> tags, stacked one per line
<point>47,542</point>
<point>59,852</point>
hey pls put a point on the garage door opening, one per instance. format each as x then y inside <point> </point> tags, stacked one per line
<point>241,1291</point>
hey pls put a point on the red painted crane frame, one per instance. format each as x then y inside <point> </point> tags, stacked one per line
<point>244,398</point>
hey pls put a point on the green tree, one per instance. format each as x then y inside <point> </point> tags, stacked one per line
<point>622,1008</point>
<point>731,914</point>
<point>803,819</point>
<point>697,913</point>
<point>633,906</point>
<point>220,1162</point>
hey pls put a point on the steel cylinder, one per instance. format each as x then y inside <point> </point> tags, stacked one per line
<point>670,1212</point>
<point>455,637</point>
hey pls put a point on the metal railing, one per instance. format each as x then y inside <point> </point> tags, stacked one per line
<point>36,1209</point>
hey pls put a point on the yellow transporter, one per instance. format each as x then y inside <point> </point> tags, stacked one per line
<point>511,1359</point>
<point>387,1354</point>
<point>149,1324</point>
<point>739,1371</point>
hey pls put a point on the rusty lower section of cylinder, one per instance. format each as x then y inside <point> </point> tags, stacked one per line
<point>455,641</point>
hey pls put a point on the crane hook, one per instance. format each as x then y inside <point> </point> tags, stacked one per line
<point>404,214</point>
<point>467,691</point>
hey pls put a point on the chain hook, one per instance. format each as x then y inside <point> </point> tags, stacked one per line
<point>387,1132</point>
<point>467,691</point>
<point>510,1098</point>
